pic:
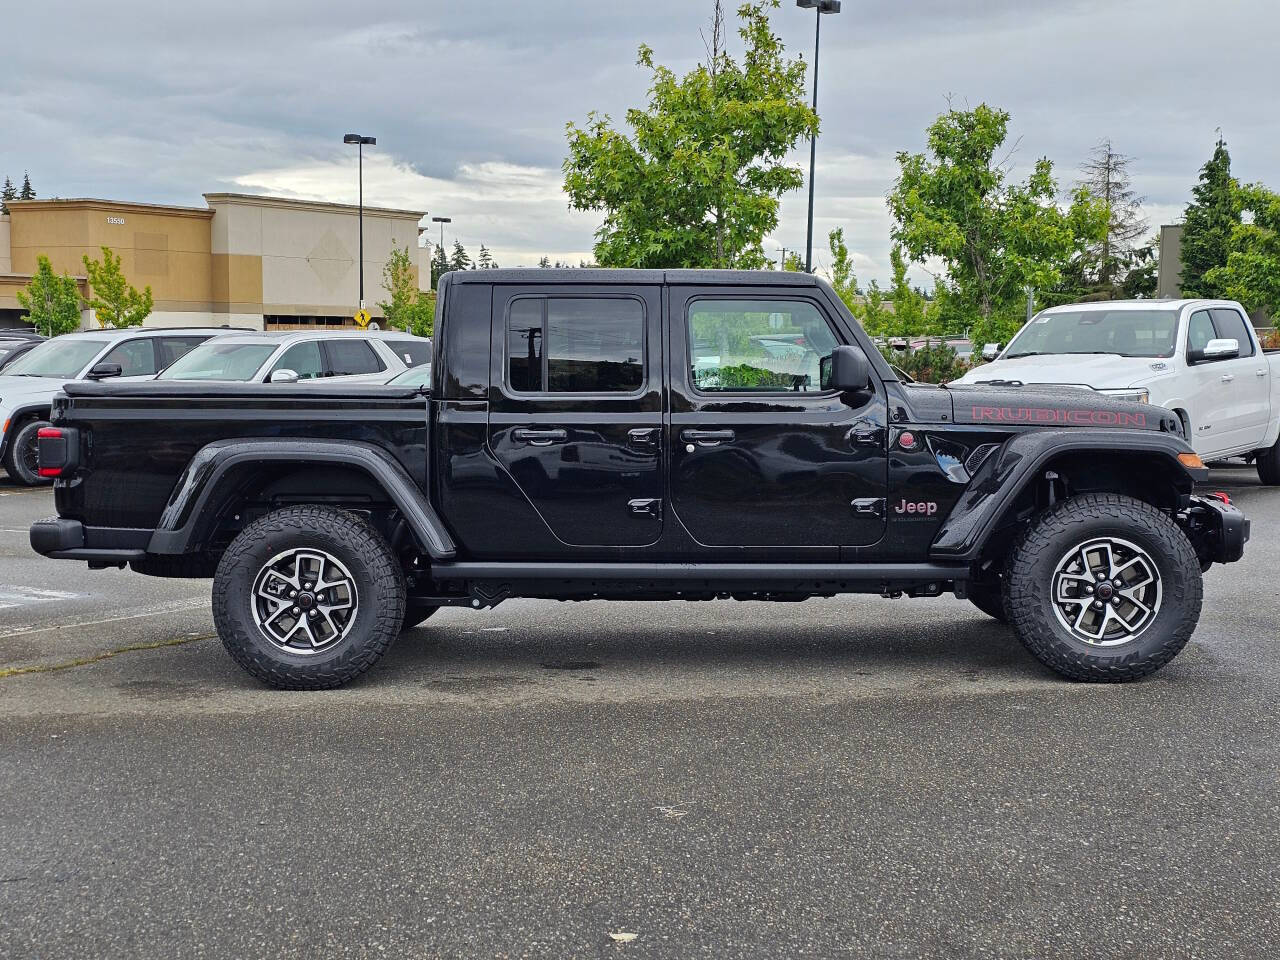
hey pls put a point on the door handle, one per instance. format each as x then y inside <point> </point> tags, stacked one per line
<point>707,438</point>
<point>642,437</point>
<point>539,438</point>
<point>1228,377</point>
<point>1259,373</point>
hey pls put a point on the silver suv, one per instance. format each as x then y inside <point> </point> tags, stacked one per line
<point>352,356</point>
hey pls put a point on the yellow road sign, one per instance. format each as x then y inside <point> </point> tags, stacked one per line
<point>362,318</point>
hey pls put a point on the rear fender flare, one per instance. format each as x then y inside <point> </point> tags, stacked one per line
<point>217,468</point>
<point>1002,478</point>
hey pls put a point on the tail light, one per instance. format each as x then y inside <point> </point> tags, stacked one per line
<point>1219,495</point>
<point>58,450</point>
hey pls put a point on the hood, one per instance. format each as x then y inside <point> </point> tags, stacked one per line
<point>1103,371</point>
<point>1047,406</point>
<point>16,390</point>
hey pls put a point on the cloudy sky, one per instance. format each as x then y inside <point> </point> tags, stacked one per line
<point>162,102</point>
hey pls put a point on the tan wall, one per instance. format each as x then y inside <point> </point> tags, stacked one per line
<point>299,258</point>
<point>166,248</point>
<point>6,262</point>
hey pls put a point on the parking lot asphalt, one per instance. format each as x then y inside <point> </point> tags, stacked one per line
<point>849,777</point>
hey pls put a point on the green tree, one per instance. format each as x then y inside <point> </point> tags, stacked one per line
<point>697,181</point>
<point>114,301</point>
<point>408,309</point>
<point>995,237</point>
<point>909,308</point>
<point>1252,271</point>
<point>1143,274</point>
<point>1210,220</point>
<point>544,263</point>
<point>460,260</point>
<point>9,192</point>
<point>876,318</point>
<point>52,302</point>
<point>793,263</point>
<point>439,266</point>
<point>843,279</point>
<point>27,193</point>
<point>1108,182</point>
<point>485,259</point>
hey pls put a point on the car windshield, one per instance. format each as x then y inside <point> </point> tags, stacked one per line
<point>219,360</point>
<point>1126,333</point>
<point>419,376</point>
<point>59,358</point>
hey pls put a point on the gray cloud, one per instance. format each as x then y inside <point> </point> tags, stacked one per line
<point>151,101</point>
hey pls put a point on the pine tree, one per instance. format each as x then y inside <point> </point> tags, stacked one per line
<point>460,260</point>
<point>485,260</point>
<point>10,192</point>
<point>439,267</point>
<point>27,193</point>
<point>1210,218</point>
<point>545,263</point>
<point>1107,180</point>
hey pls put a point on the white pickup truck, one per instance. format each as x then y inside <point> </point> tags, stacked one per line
<point>1200,358</point>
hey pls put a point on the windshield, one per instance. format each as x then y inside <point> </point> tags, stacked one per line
<point>419,376</point>
<point>61,358</point>
<point>1127,333</point>
<point>219,360</point>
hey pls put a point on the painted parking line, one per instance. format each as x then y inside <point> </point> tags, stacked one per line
<point>157,610</point>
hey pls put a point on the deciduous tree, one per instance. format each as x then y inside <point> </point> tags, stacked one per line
<point>996,237</point>
<point>1252,271</point>
<point>1210,220</point>
<point>696,181</point>
<point>114,301</point>
<point>52,302</point>
<point>407,309</point>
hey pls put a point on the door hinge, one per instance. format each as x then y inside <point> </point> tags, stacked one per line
<point>868,506</point>
<point>645,508</point>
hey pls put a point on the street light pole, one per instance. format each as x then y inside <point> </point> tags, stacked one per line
<point>360,141</point>
<point>820,7</point>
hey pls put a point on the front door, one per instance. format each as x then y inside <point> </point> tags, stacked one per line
<point>761,455</point>
<point>575,409</point>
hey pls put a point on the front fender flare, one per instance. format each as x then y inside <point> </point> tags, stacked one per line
<point>188,519</point>
<point>979,512</point>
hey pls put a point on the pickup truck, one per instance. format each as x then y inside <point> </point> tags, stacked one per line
<point>618,434</point>
<point>1199,358</point>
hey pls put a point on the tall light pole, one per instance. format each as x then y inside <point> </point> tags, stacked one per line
<point>442,221</point>
<point>821,6</point>
<point>360,142</point>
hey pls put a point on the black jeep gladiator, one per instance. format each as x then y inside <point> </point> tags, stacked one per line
<point>642,435</point>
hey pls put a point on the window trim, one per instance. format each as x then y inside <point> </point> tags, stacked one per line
<point>546,298</point>
<point>738,394</point>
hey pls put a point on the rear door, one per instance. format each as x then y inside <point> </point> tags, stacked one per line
<point>575,408</point>
<point>761,455</point>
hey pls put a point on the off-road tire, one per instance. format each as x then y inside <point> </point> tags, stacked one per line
<point>1268,464</point>
<point>15,462</point>
<point>989,598</point>
<point>378,579</point>
<point>1029,582</point>
<point>417,613</point>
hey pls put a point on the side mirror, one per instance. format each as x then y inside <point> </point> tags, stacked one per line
<point>1223,349</point>
<point>104,371</point>
<point>847,370</point>
<point>283,375</point>
<point>991,351</point>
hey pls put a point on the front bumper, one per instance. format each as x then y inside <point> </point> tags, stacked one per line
<point>1218,530</point>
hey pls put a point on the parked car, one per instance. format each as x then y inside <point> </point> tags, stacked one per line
<point>13,346</point>
<point>29,384</point>
<point>575,452</point>
<point>352,356</point>
<point>419,376</point>
<point>1199,358</point>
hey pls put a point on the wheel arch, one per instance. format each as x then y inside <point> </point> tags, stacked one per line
<point>227,473</point>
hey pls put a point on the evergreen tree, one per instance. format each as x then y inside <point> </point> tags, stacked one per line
<point>1108,182</point>
<point>485,260</point>
<point>10,192</point>
<point>439,267</point>
<point>27,193</point>
<point>1210,219</point>
<point>460,260</point>
<point>545,263</point>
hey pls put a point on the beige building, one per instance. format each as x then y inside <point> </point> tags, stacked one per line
<point>241,260</point>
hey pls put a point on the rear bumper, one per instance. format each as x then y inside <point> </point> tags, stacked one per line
<point>1218,530</point>
<point>63,539</point>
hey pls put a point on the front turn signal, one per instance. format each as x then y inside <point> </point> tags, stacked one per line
<point>1191,461</point>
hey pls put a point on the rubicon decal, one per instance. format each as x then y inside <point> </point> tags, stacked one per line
<point>1089,418</point>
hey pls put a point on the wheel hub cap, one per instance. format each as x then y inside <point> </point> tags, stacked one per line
<point>1106,591</point>
<point>304,600</point>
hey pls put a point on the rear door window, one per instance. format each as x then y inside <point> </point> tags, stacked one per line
<point>1231,326</point>
<point>576,345</point>
<point>414,353</point>
<point>351,358</point>
<point>169,349</point>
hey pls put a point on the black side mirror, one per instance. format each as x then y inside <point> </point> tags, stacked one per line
<point>104,371</point>
<point>847,370</point>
